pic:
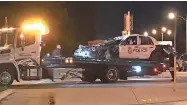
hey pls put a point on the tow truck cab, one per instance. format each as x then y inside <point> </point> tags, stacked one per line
<point>20,53</point>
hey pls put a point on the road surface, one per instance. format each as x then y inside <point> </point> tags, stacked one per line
<point>135,91</point>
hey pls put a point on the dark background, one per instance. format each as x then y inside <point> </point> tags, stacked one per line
<point>74,23</point>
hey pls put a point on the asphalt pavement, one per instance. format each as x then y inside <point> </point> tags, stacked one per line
<point>148,90</point>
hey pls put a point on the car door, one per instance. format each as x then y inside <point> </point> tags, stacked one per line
<point>27,46</point>
<point>146,47</point>
<point>128,48</point>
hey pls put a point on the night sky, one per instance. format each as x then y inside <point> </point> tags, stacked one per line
<point>74,23</point>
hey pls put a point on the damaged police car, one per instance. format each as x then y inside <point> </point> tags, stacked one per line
<point>126,47</point>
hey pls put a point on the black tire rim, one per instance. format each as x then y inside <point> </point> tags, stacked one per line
<point>5,78</point>
<point>112,74</point>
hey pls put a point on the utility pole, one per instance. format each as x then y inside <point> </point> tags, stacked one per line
<point>175,32</point>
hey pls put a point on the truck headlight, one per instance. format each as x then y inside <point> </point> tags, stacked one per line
<point>66,61</point>
<point>71,61</point>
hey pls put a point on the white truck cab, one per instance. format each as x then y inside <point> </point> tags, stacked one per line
<point>20,53</point>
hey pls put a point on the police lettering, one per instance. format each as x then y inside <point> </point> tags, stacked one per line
<point>143,49</point>
<point>136,50</point>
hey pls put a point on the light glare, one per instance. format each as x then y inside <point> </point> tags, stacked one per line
<point>146,34</point>
<point>171,15</point>
<point>154,31</point>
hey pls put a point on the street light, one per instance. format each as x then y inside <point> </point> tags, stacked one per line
<point>154,31</point>
<point>146,34</point>
<point>169,32</point>
<point>164,29</point>
<point>173,15</point>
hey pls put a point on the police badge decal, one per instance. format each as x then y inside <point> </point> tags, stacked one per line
<point>129,50</point>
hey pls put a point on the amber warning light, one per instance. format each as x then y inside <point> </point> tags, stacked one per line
<point>37,26</point>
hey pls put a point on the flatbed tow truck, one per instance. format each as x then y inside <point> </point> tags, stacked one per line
<point>20,59</point>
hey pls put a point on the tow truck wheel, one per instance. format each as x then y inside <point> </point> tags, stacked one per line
<point>157,56</point>
<point>110,75</point>
<point>6,76</point>
<point>87,76</point>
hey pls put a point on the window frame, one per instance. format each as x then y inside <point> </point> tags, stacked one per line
<point>124,42</point>
<point>150,40</point>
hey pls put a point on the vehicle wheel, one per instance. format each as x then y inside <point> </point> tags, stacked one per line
<point>110,75</point>
<point>88,76</point>
<point>6,76</point>
<point>157,56</point>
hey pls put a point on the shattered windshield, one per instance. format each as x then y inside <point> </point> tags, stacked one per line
<point>7,38</point>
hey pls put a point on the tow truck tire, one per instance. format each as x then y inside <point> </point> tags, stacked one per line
<point>110,75</point>
<point>6,75</point>
<point>157,56</point>
<point>88,76</point>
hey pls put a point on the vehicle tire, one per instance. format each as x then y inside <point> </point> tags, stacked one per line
<point>6,75</point>
<point>110,75</point>
<point>88,76</point>
<point>157,56</point>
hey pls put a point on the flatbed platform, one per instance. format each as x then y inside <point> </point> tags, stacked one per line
<point>97,68</point>
<point>115,62</point>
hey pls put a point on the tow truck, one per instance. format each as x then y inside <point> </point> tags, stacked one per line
<point>20,60</point>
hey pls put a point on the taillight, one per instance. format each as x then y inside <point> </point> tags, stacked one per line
<point>164,65</point>
<point>155,69</point>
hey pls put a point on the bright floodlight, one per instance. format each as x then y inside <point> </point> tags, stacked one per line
<point>154,31</point>
<point>169,32</point>
<point>37,26</point>
<point>164,29</point>
<point>171,15</point>
<point>145,33</point>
